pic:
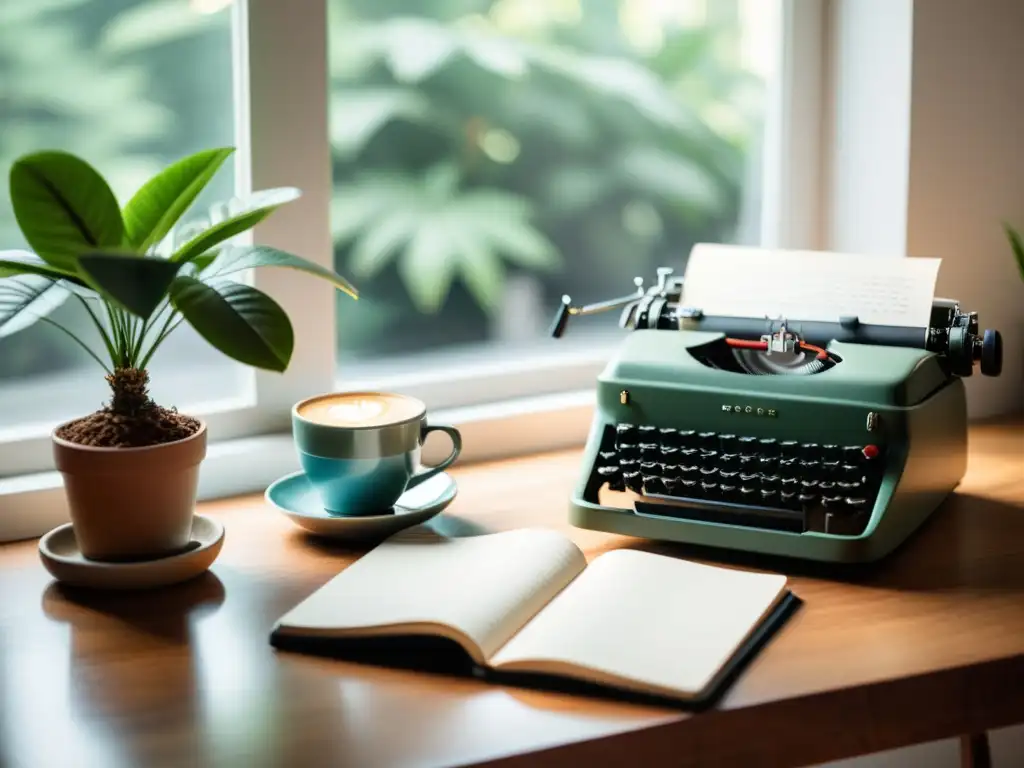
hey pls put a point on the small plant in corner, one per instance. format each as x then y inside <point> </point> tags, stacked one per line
<point>1016,246</point>
<point>137,277</point>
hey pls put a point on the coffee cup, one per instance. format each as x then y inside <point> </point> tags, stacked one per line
<point>361,450</point>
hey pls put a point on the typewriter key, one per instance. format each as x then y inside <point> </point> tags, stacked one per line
<point>612,476</point>
<point>687,438</point>
<point>809,469</point>
<point>650,451</point>
<point>849,472</point>
<point>810,451</point>
<point>789,449</point>
<point>830,469</point>
<point>747,461</point>
<point>633,480</point>
<point>626,432</point>
<point>707,439</point>
<point>853,454</point>
<point>728,443</point>
<point>629,451</point>
<point>653,484</point>
<point>671,471</point>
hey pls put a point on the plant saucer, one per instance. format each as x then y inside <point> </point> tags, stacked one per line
<point>295,497</point>
<point>61,556</point>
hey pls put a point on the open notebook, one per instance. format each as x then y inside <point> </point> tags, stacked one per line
<point>526,602</point>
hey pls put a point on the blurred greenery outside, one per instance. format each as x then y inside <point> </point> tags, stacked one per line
<point>489,155</point>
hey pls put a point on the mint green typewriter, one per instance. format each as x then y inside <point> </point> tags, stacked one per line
<point>827,441</point>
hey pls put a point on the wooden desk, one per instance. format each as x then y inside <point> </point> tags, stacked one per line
<point>927,645</point>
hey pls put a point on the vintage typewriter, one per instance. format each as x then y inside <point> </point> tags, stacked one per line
<point>829,441</point>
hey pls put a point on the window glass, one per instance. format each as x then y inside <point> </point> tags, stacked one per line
<point>130,86</point>
<point>490,156</point>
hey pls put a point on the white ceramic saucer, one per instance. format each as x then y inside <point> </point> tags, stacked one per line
<point>296,497</point>
<point>59,552</point>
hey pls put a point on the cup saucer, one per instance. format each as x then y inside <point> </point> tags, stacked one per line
<point>59,552</point>
<point>297,499</point>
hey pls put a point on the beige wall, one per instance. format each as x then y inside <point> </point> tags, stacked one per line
<point>964,174</point>
<point>967,169</point>
<point>924,153</point>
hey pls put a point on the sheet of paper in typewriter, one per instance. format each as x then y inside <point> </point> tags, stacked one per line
<point>741,281</point>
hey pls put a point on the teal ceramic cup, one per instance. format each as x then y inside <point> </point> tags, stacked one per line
<point>361,450</point>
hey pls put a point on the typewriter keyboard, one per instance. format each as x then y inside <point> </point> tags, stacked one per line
<point>742,480</point>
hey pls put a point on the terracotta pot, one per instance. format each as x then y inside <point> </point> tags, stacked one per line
<point>131,503</point>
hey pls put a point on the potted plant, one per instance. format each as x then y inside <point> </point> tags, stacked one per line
<point>130,469</point>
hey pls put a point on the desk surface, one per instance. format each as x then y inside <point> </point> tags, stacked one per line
<point>926,645</point>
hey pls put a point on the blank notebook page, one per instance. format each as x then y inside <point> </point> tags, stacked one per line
<point>486,586</point>
<point>667,624</point>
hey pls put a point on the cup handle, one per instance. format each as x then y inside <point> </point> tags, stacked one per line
<point>428,473</point>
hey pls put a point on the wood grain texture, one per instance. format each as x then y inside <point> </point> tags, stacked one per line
<point>925,645</point>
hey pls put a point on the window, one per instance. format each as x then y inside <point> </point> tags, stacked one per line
<point>464,163</point>
<point>105,80</point>
<point>492,155</point>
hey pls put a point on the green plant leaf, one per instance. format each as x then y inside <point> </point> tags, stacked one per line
<point>482,270</point>
<point>24,299</point>
<point>426,267</point>
<point>252,256</point>
<point>145,26</point>
<point>242,322</point>
<point>25,263</point>
<point>358,114</point>
<point>1017,246</point>
<point>137,284</point>
<point>162,200</point>
<point>63,207</point>
<point>252,211</point>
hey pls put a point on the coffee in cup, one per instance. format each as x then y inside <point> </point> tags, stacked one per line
<point>361,450</point>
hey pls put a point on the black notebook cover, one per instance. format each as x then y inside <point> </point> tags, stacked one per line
<point>441,656</point>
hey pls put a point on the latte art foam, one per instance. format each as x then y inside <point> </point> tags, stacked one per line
<point>361,409</point>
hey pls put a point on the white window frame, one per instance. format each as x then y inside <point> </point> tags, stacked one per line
<point>503,408</point>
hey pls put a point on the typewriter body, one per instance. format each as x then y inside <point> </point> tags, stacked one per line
<point>828,441</point>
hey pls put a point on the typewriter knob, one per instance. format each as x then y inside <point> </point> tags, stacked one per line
<point>992,353</point>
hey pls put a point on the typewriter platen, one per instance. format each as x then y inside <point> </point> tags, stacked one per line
<point>821,440</point>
